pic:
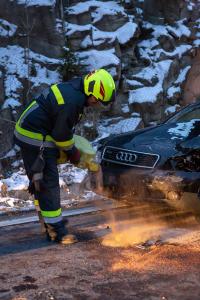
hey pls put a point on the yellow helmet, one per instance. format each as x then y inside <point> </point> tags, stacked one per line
<point>101,85</point>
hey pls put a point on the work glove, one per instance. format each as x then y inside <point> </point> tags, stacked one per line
<point>74,155</point>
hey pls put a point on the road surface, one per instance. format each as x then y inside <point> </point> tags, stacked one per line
<point>120,255</point>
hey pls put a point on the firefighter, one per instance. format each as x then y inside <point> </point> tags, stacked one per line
<point>45,127</point>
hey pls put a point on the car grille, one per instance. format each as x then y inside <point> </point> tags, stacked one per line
<point>130,158</point>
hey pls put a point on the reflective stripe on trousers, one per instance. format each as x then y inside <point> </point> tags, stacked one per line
<point>52,217</point>
<point>52,220</point>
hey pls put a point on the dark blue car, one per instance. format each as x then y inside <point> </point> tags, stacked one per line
<point>160,162</point>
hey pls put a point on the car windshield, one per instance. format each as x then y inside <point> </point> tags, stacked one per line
<point>185,116</point>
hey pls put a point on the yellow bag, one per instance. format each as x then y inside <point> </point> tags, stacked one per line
<point>87,154</point>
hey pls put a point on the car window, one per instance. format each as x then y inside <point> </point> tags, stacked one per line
<point>184,116</point>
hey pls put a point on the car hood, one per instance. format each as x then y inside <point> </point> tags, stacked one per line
<point>161,139</point>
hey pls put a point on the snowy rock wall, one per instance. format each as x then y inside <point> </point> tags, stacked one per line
<point>192,85</point>
<point>148,45</point>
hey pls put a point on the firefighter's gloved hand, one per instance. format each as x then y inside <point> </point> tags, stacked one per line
<point>74,155</point>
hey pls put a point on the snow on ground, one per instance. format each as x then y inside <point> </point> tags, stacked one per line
<point>12,152</point>
<point>18,183</point>
<point>69,175</point>
<point>10,204</point>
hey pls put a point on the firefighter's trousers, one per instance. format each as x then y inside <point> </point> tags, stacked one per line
<point>49,194</point>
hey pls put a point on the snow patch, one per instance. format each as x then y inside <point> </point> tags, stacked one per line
<point>182,130</point>
<point>125,108</point>
<point>123,126</point>
<point>7,29</point>
<point>179,51</point>
<point>10,102</point>
<point>179,29</point>
<point>103,8</point>
<point>150,43</point>
<point>173,90</point>
<point>150,94</point>
<point>123,34</point>
<point>197,43</point>
<point>72,28</point>
<point>134,83</point>
<point>70,174</point>
<point>17,181</point>
<point>172,109</point>
<point>182,75</point>
<point>10,153</point>
<point>95,59</point>
<point>10,204</point>
<point>37,2</point>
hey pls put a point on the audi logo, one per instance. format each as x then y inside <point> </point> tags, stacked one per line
<point>126,157</point>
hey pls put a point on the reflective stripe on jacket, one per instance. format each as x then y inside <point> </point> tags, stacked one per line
<point>53,115</point>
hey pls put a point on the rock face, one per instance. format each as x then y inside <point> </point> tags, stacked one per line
<point>6,130</point>
<point>150,47</point>
<point>160,12</point>
<point>38,23</point>
<point>192,85</point>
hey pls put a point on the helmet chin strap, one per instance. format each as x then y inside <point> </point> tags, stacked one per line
<point>91,100</point>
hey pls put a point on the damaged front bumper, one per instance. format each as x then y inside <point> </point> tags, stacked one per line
<point>180,189</point>
<point>176,181</point>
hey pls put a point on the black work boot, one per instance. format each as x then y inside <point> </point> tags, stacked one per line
<point>57,232</point>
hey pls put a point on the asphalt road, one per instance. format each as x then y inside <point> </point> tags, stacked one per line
<point>120,255</point>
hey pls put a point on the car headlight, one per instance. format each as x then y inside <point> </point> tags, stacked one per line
<point>173,195</point>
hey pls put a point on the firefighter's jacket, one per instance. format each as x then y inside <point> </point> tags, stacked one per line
<point>52,116</point>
